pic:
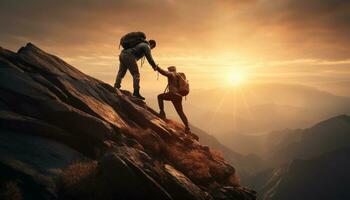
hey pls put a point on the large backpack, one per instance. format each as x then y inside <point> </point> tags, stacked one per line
<point>132,39</point>
<point>183,84</point>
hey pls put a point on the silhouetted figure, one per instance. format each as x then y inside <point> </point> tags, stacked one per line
<point>130,55</point>
<point>172,95</point>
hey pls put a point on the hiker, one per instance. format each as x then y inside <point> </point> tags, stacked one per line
<point>177,88</point>
<point>135,47</point>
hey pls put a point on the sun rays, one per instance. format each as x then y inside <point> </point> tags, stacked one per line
<point>235,79</point>
<point>234,101</point>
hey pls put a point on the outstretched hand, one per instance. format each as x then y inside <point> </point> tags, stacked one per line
<point>155,68</point>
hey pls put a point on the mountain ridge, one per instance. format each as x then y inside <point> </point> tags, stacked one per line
<point>311,161</point>
<point>324,177</point>
<point>44,97</point>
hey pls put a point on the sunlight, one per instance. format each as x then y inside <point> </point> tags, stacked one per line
<point>236,78</point>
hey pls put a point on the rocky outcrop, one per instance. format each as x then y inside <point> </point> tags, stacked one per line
<point>56,116</point>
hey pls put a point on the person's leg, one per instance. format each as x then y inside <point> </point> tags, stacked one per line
<point>121,72</point>
<point>160,102</point>
<point>177,102</point>
<point>161,98</point>
<point>134,70</point>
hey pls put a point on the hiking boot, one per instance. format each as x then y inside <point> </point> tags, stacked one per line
<point>187,129</point>
<point>162,114</point>
<point>116,86</point>
<point>138,95</point>
<point>189,133</point>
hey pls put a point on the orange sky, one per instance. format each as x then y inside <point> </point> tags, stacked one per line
<point>211,40</point>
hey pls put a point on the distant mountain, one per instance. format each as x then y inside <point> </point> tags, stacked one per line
<point>244,110</point>
<point>325,136</point>
<point>324,177</point>
<point>66,135</point>
<point>287,144</point>
<point>226,123</point>
<point>313,162</point>
<point>262,144</point>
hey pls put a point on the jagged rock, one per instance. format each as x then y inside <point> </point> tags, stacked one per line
<point>182,187</point>
<point>138,154</point>
<point>128,181</point>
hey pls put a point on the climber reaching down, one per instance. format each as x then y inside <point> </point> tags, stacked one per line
<point>135,46</point>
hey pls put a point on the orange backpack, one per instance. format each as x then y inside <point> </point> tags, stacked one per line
<point>183,84</point>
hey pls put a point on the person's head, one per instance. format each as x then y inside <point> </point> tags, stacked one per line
<point>172,69</point>
<point>152,43</point>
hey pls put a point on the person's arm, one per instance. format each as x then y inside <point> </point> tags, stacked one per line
<point>163,72</point>
<point>149,57</point>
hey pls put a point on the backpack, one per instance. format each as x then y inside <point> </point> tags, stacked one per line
<point>183,84</point>
<point>132,39</point>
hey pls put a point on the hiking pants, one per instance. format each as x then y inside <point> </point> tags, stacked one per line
<point>127,61</point>
<point>176,99</point>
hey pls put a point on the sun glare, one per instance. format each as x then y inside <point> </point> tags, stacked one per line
<point>235,78</point>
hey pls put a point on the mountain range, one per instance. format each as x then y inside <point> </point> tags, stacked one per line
<point>312,161</point>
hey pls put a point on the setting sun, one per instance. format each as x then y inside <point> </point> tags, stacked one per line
<point>236,78</point>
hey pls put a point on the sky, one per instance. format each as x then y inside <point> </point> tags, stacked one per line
<point>216,42</point>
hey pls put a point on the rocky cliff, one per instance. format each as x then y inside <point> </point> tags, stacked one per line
<point>66,135</point>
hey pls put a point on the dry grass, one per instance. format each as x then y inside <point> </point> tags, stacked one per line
<point>150,142</point>
<point>11,191</point>
<point>78,172</point>
<point>192,163</point>
<point>79,181</point>
<point>199,164</point>
<point>234,180</point>
<point>217,155</point>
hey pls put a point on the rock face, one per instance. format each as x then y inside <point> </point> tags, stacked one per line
<point>52,116</point>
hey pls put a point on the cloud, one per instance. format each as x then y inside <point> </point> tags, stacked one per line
<point>40,18</point>
<point>81,22</point>
<point>252,29</point>
<point>315,28</point>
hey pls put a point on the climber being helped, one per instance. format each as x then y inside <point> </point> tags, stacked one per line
<point>135,46</point>
<point>177,88</point>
